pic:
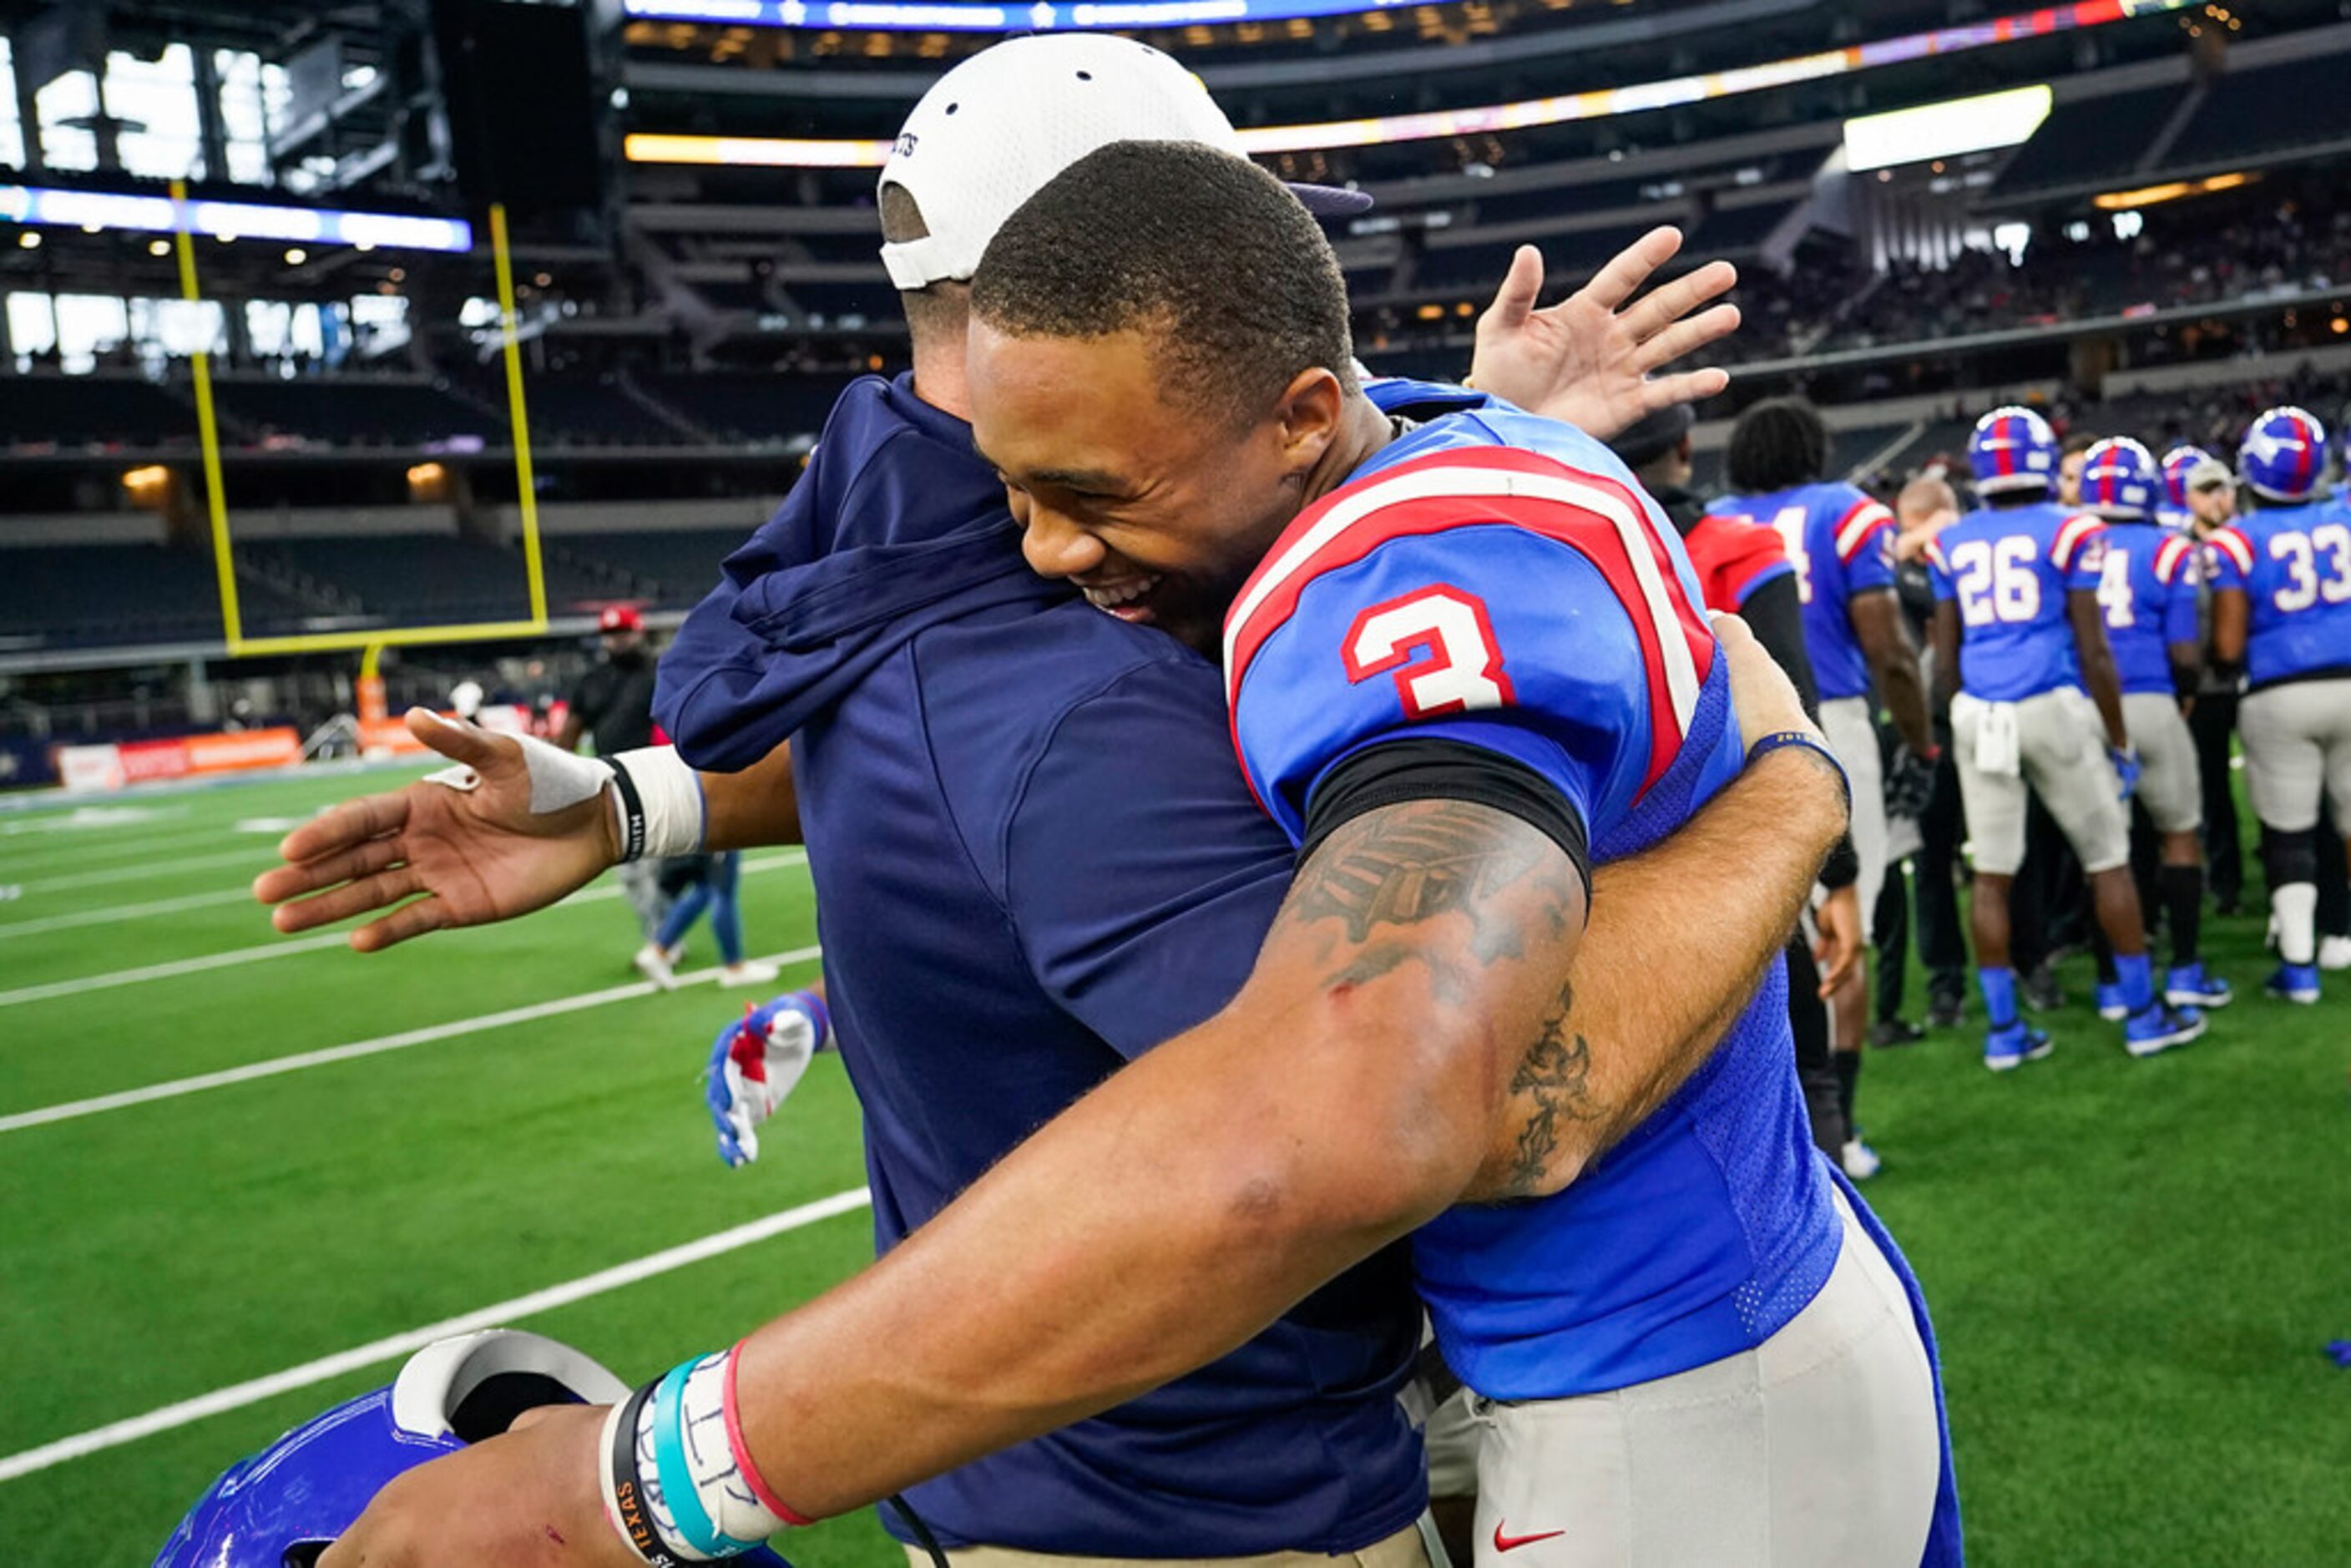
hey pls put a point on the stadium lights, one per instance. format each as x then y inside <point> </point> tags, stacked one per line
<point>147,485</point>
<point>98,210</point>
<point>1945,130</point>
<point>805,153</point>
<point>2170,191</point>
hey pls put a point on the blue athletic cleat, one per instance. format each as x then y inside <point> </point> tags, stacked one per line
<point>2190,986</point>
<point>2014,1045</point>
<point>2294,983</point>
<point>2112,1005</point>
<point>2158,1027</point>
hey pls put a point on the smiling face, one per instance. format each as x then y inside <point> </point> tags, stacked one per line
<point>1158,513</point>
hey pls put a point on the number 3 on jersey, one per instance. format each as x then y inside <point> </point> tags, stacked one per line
<point>1440,644</point>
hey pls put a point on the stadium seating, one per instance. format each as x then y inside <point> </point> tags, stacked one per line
<point>412,579</point>
<point>103,411</point>
<point>100,594</point>
<point>357,413</point>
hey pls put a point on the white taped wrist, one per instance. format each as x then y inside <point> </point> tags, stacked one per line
<point>657,806</point>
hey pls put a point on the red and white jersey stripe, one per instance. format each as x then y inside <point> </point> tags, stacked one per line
<point>2170,556</point>
<point>2235,546</point>
<point>2072,535</point>
<point>1856,529</point>
<point>1600,517</point>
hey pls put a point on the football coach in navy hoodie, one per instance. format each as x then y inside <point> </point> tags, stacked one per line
<point>1035,857</point>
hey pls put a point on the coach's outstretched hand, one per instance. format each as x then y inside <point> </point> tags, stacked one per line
<point>1588,361</point>
<point>477,854</point>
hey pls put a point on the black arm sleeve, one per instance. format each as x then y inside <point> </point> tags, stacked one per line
<point>1776,615</point>
<point>1430,768</point>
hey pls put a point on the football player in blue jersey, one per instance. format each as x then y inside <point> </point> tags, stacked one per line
<point>2147,590</point>
<point>2023,658</point>
<point>2282,613</point>
<point>1841,543</point>
<point>977,740</point>
<point>1463,652</point>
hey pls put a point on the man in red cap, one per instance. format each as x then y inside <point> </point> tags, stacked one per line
<point>614,704</point>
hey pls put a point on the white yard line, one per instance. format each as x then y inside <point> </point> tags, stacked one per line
<point>237,1395</point>
<point>20,859</point>
<point>256,855</point>
<point>281,949</point>
<point>91,820</point>
<point>72,1109</point>
<point>117,912</point>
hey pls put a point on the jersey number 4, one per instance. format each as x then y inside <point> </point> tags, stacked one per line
<point>1440,644</point>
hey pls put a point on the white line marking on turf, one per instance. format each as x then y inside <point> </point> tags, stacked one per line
<point>115,912</point>
<point>238,1395</point>
<point>275,1066</point>
<point>86,819</point>
<point>257,856</point>
<point>285,949</point>
<point>173,970</point>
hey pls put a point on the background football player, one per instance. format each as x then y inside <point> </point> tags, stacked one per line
<point>2021,654</point>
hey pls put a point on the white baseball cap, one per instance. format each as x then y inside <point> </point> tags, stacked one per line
<point>996,130</point>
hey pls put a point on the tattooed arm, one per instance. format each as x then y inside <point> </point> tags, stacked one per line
<point>1346,1095</point>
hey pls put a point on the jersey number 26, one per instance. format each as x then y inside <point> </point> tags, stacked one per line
<point>1996,579</point>
<point>1440,644</point>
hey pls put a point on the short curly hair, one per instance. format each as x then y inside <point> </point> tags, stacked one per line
<point>1777,444</point>
<point>1201,247</point>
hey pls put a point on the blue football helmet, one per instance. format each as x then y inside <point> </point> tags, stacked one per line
<point>2120,479</point>
<point>2284,454</point>
<point>2013,449</point>
<point>2177,464</point>
<point>286,1504</point>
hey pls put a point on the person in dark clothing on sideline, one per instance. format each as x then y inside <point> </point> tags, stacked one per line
<point>613,705</point>
<point>1744,569</point>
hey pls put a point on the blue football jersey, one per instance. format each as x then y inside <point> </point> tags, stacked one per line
<point>1500,580</point>
<point>2010,571</point>
<point>1841,543</point>
<point>2294,564</point>
<point>2147,589</point>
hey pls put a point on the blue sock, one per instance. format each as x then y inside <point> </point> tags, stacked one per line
<point>1999,995</point>
<point>2138,978</point>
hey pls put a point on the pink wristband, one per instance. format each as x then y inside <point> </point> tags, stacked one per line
<point>742,1464</point>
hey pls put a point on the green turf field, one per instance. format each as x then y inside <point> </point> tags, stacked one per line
<point>2133,1265</point>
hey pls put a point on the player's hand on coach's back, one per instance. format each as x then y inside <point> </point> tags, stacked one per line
<point>1761,695</point>
<point>1586,362</point>
<point>516,826</point>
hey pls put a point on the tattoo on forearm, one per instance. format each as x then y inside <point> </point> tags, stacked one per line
<point>1555,1076</point>
<point>1405,864</point>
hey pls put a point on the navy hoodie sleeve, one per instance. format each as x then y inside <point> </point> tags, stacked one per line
<point>1141,876</point>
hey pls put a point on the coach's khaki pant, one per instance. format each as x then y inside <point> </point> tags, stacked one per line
<point>1405,1549</point>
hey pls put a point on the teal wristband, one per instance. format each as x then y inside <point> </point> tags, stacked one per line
<point>1781,737</point>
<point>694,1529</point>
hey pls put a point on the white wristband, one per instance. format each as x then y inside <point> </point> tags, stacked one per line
<point>657,806</point>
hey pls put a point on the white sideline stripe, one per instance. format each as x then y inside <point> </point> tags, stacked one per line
<point>115,912</point>
<point>69,1110</point>
<point>257,856</point>
<point>176,967</point>
<point>238,1395</point>
<point>89,820</point>
<point>43,856</point>
<point>281,949</point>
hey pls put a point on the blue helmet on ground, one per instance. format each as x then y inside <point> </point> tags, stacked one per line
<point>2013,449</point>
<point>2284,454</point>
<point>284,1505</point>
<point>2120,479</point>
